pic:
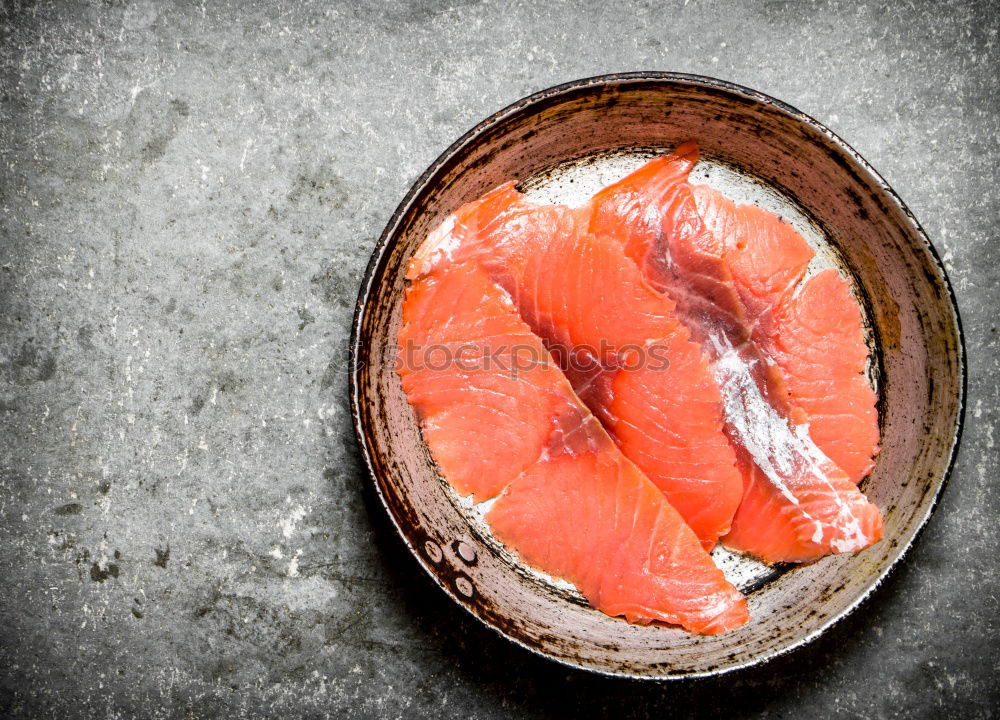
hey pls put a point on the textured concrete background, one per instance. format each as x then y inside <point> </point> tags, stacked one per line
<point>188,196</point>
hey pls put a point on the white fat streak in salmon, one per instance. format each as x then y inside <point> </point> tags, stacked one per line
<point>779,450</point>
<point>854,536</point>
<point>440,245</point>
<point>653,217</point>
<point>715,605</point>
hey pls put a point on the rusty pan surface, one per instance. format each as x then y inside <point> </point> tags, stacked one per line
<point>560,145</point>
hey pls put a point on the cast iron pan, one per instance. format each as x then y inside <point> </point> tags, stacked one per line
<point>566,141</point>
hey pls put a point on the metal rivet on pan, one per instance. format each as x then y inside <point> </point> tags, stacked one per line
<point>433,551</point>
<point>464,586</point>
<point>466,553</point>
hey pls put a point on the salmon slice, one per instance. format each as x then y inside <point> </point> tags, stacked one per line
<point>766,256</point>
<point>797,504</point>
<point>811,507</point>
<point>654,219</point>
<point>822,515</point>
<point>687,263</point>
<point>618,340</point>
<point>569,502</point>
<point>462,228</point>
<point>819,344</point>
<point>447,370</point>
<point>812,330</point>
<point>621,542</point>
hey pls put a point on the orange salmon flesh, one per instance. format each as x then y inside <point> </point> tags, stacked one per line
<point>632,381</point>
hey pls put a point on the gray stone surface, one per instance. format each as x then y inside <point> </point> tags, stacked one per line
<point>188,196</point>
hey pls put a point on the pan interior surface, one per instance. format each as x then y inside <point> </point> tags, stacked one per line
<point>561,146</point>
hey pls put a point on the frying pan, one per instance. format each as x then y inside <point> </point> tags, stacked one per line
<point>558,143</point>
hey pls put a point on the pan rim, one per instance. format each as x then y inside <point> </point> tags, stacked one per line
<point>696,81</point>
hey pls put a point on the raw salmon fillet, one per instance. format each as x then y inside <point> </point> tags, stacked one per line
<point>812,330</point>
<point>620,542</point>
<point>479,446</point>
<point>598,315</point>
<point>568,502</point>
<point>797,504</point>
<point>820,514</point>
<point>819,344</point>
<point>650,214</point>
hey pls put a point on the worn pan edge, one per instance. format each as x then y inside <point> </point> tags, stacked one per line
<point>523,104</point>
